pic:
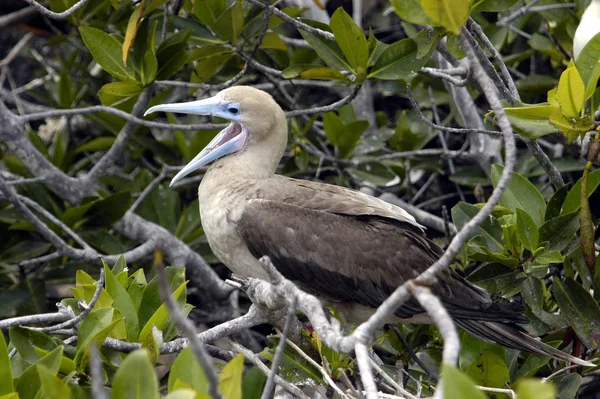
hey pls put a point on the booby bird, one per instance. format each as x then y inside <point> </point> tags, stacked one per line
<point>348,248</point>
<point>588,27</point>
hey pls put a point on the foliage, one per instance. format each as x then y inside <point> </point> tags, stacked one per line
<point>537,246</point>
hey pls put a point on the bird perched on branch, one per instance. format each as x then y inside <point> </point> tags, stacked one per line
<point>348,248</point>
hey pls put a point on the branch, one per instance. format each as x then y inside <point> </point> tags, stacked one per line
<point>291,388</point>
<point>188,329</point>
<point>114,111</point>
<point>270,384</point>
<point>426,121</point>
<point>57,15</point>
<point>121,141</point>
<point>325,108</point>
<point>86,308</point>
<point>295,22</point>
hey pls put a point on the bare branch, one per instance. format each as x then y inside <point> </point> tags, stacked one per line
<point>444,128</point>
<point>270,384</point>
<point>57,15</point>
<point>291,388</point>
<point>16,16</point>
<point>316,365</point>
<point>87,308</point>
<point>96,373</point>
<point>325,108</point>
<point>12,54</point>
<point>188,330</point>
<point>114,111</point>
<point>438,313</point>
<point>295,22</point>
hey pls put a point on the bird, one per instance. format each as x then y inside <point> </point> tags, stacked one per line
<point>348,248</point>
<point>588,27</point>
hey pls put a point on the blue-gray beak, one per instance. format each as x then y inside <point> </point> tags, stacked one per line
<point>229,140</point>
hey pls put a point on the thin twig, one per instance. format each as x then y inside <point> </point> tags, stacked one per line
<point>444,128</point>
<point>188,329</point>
<point>270,384</point>
<point>114,111</point>
<point>57,15</point>
<point>399,389</point>
<point>96,373</point>
<point>257,43</point>
<point>519,13</point>
<point>86,309</point>
<point>288,386</point>
<point>316,365</point>
<point>12,54</point>
<point>325,108</point>
<point>412,353</point>
<point>295,22</point>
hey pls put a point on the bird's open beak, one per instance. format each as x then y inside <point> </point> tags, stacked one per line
<point>229,140</point>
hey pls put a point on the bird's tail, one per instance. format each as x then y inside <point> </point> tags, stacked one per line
<point>511,336</point>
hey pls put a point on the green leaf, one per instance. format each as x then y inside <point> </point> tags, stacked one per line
<point>94,327</point>
<point>572,202</point>
<point>343,136</point>
<point>579,309</point>
<point>568,386</point>
<point>559,231</point>
<point>532,290</point>
<point>489,370</point>
<point>328,51</point>
<point>230,379</point>
<point>588,65</point>
<point>130,32</point>
<point>570,93</point>
<point>493,5</point>
<point>521,193</point>
<point>6,382</point>
<point>186,369</point>
<point>29,383</point>
<point>532,121</point>
<point>25,341</point>
<point>310,71</point>
<point>230,24</point>
<point>451,14</point>
<point>412,11</point>
<point>556,202</point>
<point>106,50</point>
<point>135,378</point>
<point>490,229</point>
<point>458,385</point>
<point>161,316</point>
<point>549,257</point>
<point>529,388</point>
<point>527,231</point>
<point>351,39</point>
<point>114,92</point>
<point>52,386</point>
<point>172,54</point>
<point>123,302</point>
<point>151,299</point>
<point>376,173</point>
<point>398,61</point>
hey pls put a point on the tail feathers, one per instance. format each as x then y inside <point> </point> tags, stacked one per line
<point>510,336</point>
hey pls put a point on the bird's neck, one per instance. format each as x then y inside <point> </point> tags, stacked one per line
<point>256,161</point>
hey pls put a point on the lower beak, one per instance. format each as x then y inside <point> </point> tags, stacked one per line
<point>229,140</point>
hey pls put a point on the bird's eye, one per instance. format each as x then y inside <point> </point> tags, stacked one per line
<point>233,110</point>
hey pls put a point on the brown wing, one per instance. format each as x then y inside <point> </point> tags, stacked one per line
<point>359,259</point>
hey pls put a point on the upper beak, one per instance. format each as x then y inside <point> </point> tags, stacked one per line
<point>208,106</point>
<point>229,140</point>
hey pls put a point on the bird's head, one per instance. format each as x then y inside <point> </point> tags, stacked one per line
<point>255,117</point>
